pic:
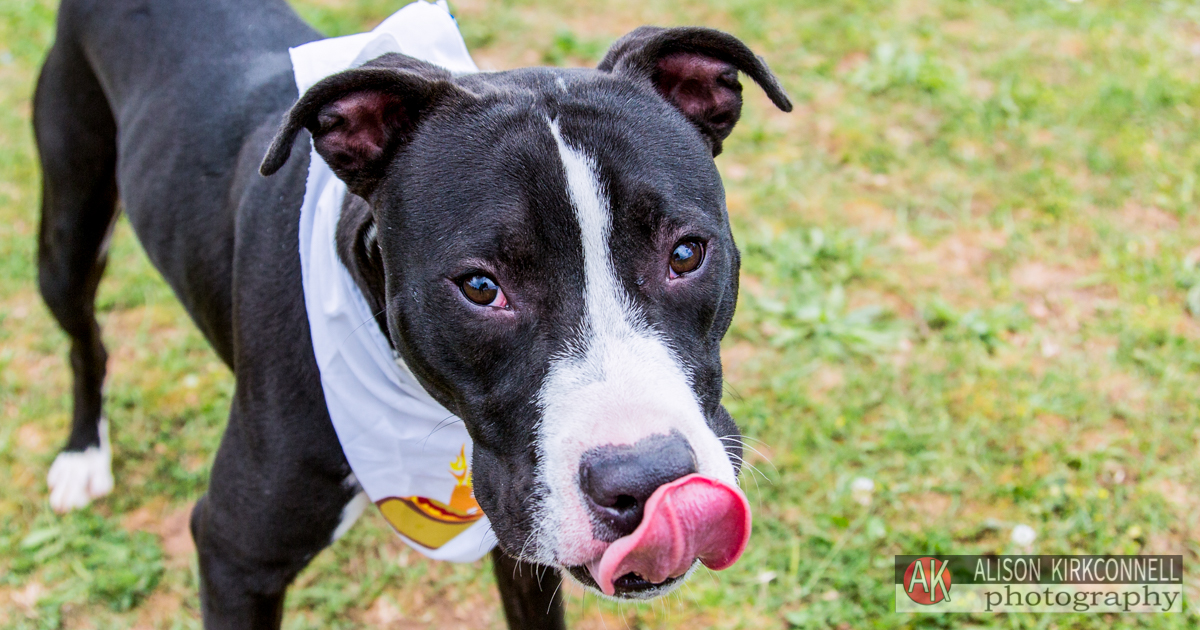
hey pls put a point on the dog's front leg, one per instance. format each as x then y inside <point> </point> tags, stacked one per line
<point>274,501</point>
<point>531,594</point>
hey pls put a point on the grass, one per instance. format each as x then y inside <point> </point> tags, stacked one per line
<point>972,275</point>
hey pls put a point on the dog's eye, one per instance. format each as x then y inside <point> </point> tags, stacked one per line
<point>484,291</point>
<point>686,257</point>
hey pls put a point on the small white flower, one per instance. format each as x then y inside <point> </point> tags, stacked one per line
<point>861,490</point>
<point>1023,535</point>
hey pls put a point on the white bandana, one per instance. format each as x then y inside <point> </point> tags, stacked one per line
<point>409,453</point>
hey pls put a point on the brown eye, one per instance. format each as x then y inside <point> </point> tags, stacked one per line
<point>484,291</point>
<point>686,257</point>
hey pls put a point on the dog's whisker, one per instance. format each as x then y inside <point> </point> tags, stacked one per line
<point>741,439</point>
<point>760,454</point>
<point>479,545</point>
<point>551,604</point>
<point>757,487</point>
<point>733,392</point>
<point>441,425</point>
<point>712,576</point>
<point>753,470</point>
<point>521,554</point>
<point>754,439</point>
<point>744,463</point>
<point>741,442</point>
<point>364,323</point>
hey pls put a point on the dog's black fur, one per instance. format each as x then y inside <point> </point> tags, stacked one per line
<point>172,104</point>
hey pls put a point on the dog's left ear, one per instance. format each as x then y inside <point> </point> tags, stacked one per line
<point>360,118</point>
<point>696,70</point>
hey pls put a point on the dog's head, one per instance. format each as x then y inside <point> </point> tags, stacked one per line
<point>552,257</point>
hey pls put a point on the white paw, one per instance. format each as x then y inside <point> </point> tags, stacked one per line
<point>77,478</point>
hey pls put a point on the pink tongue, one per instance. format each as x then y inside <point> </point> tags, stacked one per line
<point>689,518</point>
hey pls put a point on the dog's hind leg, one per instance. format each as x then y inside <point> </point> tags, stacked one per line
<point>531,594</point>
<point>76,139</point>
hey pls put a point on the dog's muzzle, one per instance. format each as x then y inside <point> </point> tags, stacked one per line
<point>659,516</point>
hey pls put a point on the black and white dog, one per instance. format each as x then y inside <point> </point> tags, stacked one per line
<point>548,251</point>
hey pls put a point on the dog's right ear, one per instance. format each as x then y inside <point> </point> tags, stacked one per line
<point>360,117</point>
<point>696,71</point>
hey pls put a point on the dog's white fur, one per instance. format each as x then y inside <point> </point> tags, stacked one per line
<point>352,510</point>
<point>76,478</point>
<point>618,383</point>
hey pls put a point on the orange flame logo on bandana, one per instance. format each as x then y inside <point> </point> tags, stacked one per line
<point>429,522</point>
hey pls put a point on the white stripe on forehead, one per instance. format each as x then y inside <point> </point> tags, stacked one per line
<point>617,383</point>
<point>605,303</point>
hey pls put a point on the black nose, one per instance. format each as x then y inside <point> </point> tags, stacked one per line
<point>617,480</point>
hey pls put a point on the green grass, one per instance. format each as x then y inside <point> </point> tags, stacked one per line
<point>972,275</point>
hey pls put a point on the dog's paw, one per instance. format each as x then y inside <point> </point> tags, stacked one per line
<point>76,478</point>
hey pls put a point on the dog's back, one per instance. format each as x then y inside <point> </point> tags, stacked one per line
<point>154,103</point>
<point>134,90</point>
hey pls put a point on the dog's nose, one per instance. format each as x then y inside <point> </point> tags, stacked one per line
<point>618,479</point>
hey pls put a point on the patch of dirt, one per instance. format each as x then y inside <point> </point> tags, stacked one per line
<point>413,609</point>
<point>733,171</point>
<point>904,242</point>
<point>383,613</point>
<point>31,438</point>
<point>869,215</point>
<point>966,252</point>
<point>1165,545</point>
<point>751,284</point>
<point>145,518</point>
<point>31,369</point>
<point>933,505</point>
<point>1123,388</point>
<point>159,610</point>
<point>25,599</point>
<point>1072,46</point>
<point>1141,218</point>
<point>1053,295</point>
<point>77,617</point>
<point>162,325</point>
<point>851,62</point>
<point>432,601</point>
<point>668,609</point>
<point>825,379</point>
<point>1104,438</point>
<point>1175,493</point>
<point>1037,277</point>
<point>734,361</point>
<point>1052,424</point>
<point>171,525</point>
<point>539,24</point>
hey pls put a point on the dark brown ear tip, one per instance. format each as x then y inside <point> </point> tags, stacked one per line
<point>782,101</point>
<point>279,152</point>
<point>274,161</point>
